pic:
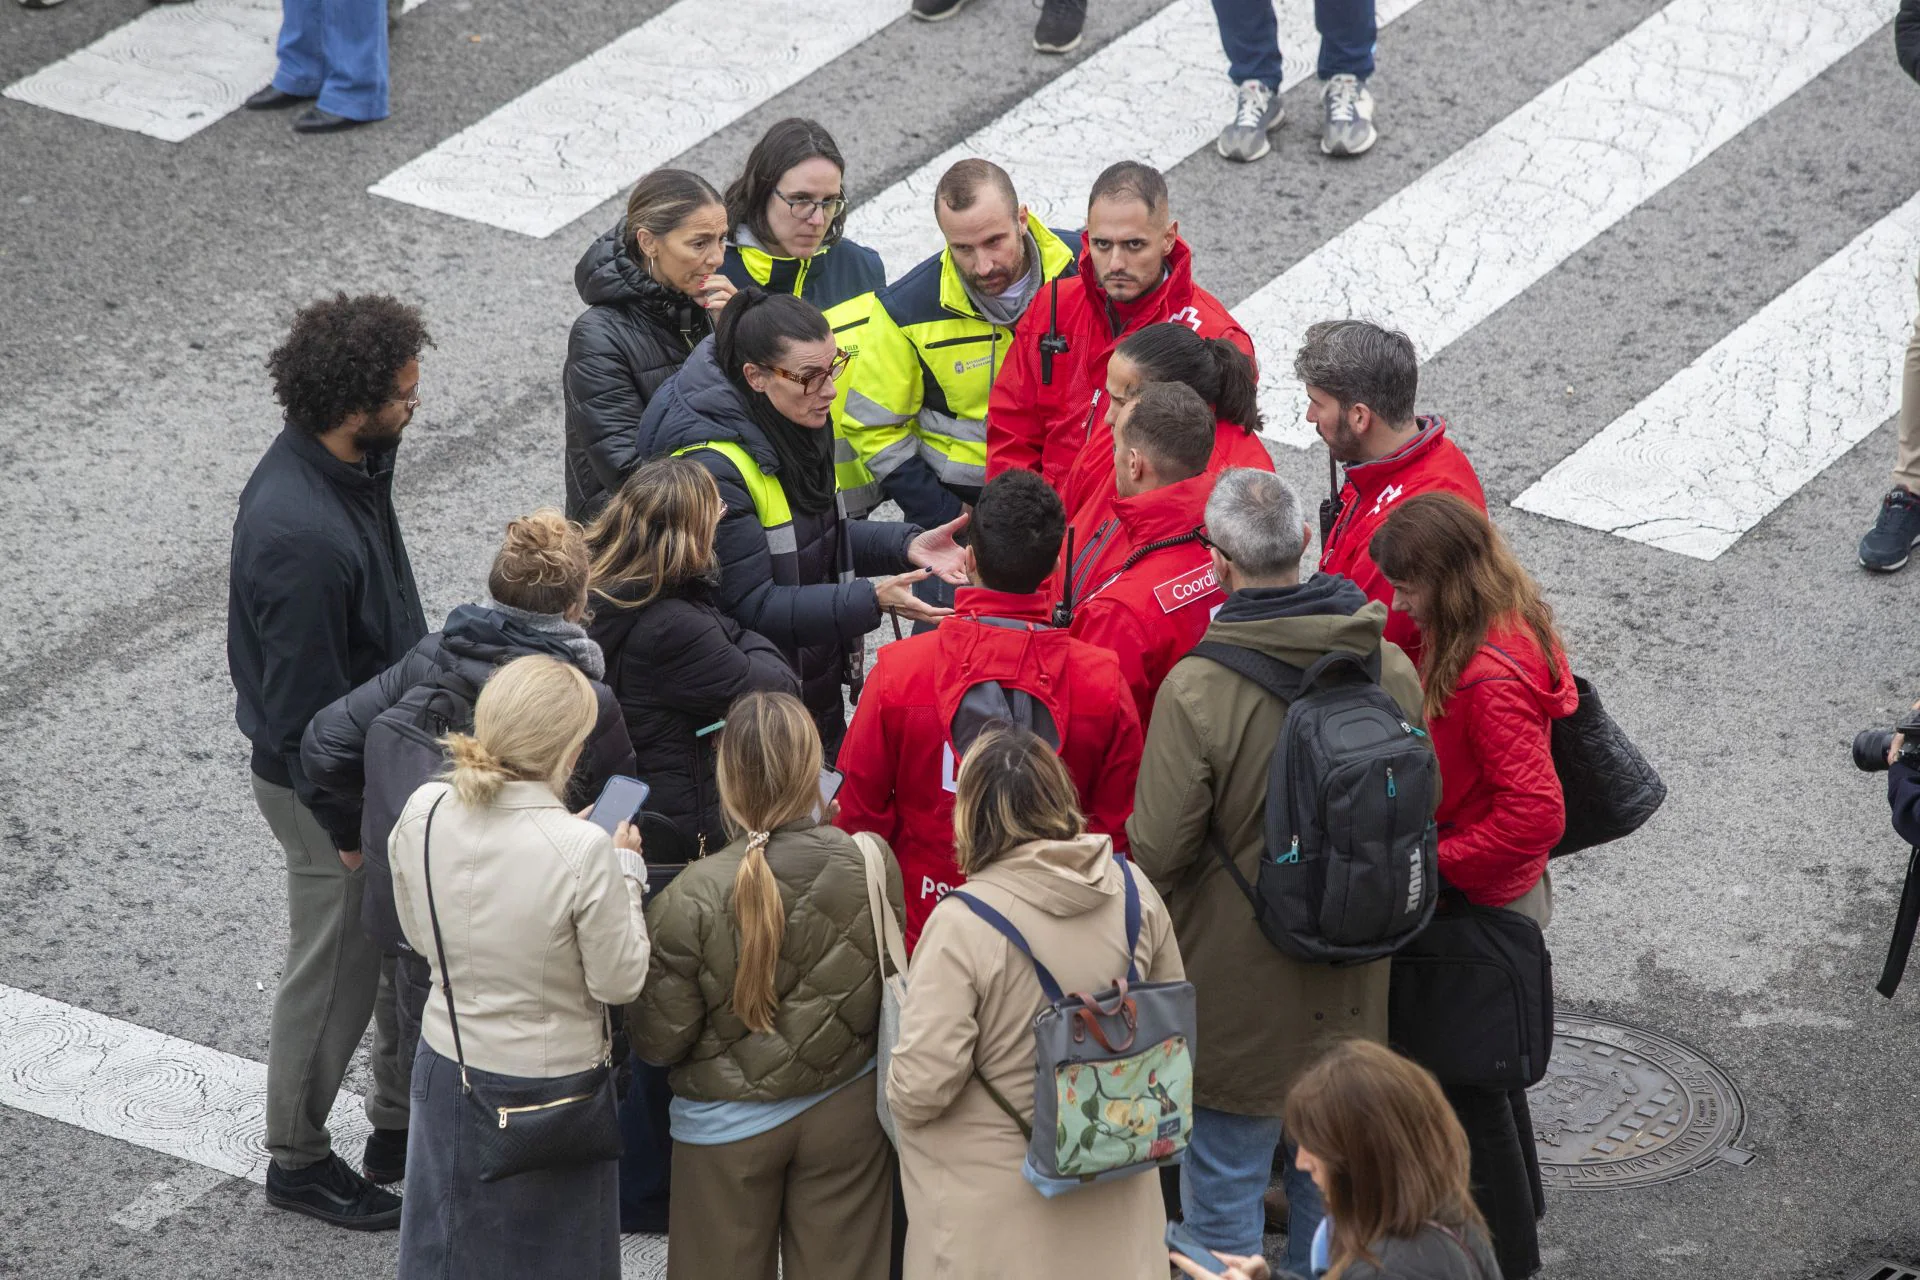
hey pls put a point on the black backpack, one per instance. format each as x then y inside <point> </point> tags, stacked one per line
<point>403,752</point>
<point>1351,870</point>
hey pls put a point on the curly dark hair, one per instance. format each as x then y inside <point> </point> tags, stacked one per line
<point>342,357</point>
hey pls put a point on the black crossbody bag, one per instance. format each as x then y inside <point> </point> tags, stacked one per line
<point>543,1124</point>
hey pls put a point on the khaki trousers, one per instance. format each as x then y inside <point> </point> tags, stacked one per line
<point>813,1197</point>
<point>328,987</point>
<point>1906,464</point>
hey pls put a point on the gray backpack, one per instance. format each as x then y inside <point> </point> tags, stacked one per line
<point>1350,872</point>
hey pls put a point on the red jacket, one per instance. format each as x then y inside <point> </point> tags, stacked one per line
<point>1501,808</point>
<point>1146,607</point>
<point>1090,479</point>
<point>898,754</point>
<point>1429,463</point>
<point>1040,426</point>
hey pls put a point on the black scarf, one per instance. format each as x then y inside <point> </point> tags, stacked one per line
<point>805,454</point>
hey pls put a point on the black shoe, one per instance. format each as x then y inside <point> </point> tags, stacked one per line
<point>272,99</point>
<point>332,1192</point>
<point>1894,534</point>
<point>937,10</point>
<point>314,120</point>
<point>385,1159</point>
<point>1059,27</point>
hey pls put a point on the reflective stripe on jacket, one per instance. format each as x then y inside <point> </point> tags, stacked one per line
<point>928,361</point>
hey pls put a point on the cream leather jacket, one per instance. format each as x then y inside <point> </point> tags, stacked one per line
<point>542,926</point>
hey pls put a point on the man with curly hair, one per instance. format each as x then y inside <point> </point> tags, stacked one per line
<point>321,599</point>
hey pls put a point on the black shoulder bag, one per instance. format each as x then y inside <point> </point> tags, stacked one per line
<point>539,1124</point>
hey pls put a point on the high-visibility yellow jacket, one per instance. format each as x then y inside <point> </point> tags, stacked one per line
<point>914,403</point>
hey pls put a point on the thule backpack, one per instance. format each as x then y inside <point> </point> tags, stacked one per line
<point>1350,868</point>
<point>403,752</point>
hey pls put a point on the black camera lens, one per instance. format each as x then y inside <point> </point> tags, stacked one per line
<point>1870,747</point>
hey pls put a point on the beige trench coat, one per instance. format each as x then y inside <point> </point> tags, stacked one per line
<point>970,1001</point>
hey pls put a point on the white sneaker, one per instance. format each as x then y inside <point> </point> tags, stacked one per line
<point>1257,111</point>
<point>1348,111</point>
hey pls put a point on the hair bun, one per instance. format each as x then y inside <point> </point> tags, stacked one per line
<point>543,548</point>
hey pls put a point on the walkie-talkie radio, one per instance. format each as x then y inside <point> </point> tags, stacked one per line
<point>1053,342</point>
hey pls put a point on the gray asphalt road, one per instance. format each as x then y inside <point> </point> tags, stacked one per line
<point>142,283</point>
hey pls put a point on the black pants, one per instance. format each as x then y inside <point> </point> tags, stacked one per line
<point>1506,1172</point>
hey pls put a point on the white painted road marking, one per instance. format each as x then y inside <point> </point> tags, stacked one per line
<point>169,73</point>
<point>1729,438</point>
<point>169,1196</point>
<point>173,1096</point>
<point>1056,141</point>
<point>564,146</point>
<point>1484,225</point>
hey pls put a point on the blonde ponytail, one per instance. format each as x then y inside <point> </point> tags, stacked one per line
<point>762,918</point>
<point>529,723</point>
<point>768,768</point>
<point>477,774</point>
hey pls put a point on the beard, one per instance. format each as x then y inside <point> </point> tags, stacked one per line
<point>1343,443</point>
<point>376,436</point>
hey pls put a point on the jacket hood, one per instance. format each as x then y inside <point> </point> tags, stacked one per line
<point>1513,651</point>
<point>478,638</point>
<point>1060,877</point>
<point>1172,293</point>
<point>700,403</point>
<point>1298,624</point>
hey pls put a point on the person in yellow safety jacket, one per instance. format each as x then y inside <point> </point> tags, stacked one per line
<point>915,403</point>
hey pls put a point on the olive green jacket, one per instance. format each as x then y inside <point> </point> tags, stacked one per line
<point>827,978</point>
<point>1263,1015</point>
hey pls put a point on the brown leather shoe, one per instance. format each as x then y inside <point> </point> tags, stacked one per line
<point>1275,1203</point>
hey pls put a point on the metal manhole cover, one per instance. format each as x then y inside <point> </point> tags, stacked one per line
<point>1624,1107</point>
<point>1881,1269</point>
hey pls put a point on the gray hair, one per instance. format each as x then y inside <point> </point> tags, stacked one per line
<point>1358,362</point>
<point>1254,518</point>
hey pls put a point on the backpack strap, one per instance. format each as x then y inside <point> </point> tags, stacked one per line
<point>1013,935</point>
<point>1282,680</point>
<point>1133,919</point>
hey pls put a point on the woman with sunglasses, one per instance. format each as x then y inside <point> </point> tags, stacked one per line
<point>751,405</point>
<point>788,211</point>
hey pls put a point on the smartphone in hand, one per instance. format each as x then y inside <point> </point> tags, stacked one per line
<point>830,781</point>
<point>620,801</point>
<point>1181,1241</point>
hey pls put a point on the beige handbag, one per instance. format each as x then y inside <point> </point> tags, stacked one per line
<point>891,946</point>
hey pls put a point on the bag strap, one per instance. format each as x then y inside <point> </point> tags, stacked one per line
<point>1219,848</point>
<point>1006,927</point>
<point>439,946</point>
<point>1281,679</point>
<point>888,941</point>
<point>1133,919</point>
<point>1000,1100</point>
<point>1459,1244</point>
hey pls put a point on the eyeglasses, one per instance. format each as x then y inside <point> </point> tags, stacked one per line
<point>412,402</point>
<point>1200,536</point>
<point>812,382</point>
<point>804,207</point>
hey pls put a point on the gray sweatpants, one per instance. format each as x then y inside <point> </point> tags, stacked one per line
<point>332,978</point>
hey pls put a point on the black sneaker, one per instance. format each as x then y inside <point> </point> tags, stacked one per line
<point>937,10</point>
<point>332,1192</point>
<point>385,1159</point>
<point>1059,27</point>
<point>1891,540</point>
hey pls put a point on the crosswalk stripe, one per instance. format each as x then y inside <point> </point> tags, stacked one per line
<point>1158,93</point>
<point>1726,440</point>
<point>169,73</point>
<point>173,1096</point>
<point>569,143</point>
<point>1481,227</point>
<point>142,1086</point>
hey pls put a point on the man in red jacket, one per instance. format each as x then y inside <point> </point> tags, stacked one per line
<point>1141,585</point>
<point>1361,380</point>
<point>1135,270</point>
<point>997,658</point>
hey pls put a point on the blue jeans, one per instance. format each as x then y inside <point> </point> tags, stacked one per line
<point>335,50</point>
<point>1228,1165</point>
<point>1251,36</point>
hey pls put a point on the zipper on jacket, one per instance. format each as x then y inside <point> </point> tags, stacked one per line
<point>542,1106</point>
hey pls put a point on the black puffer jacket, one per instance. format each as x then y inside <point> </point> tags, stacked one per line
<point>676,665</point>
<point>475,640</point>
<point>634,333</point>
<point>818,620</point>
<point>1906,37</point>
